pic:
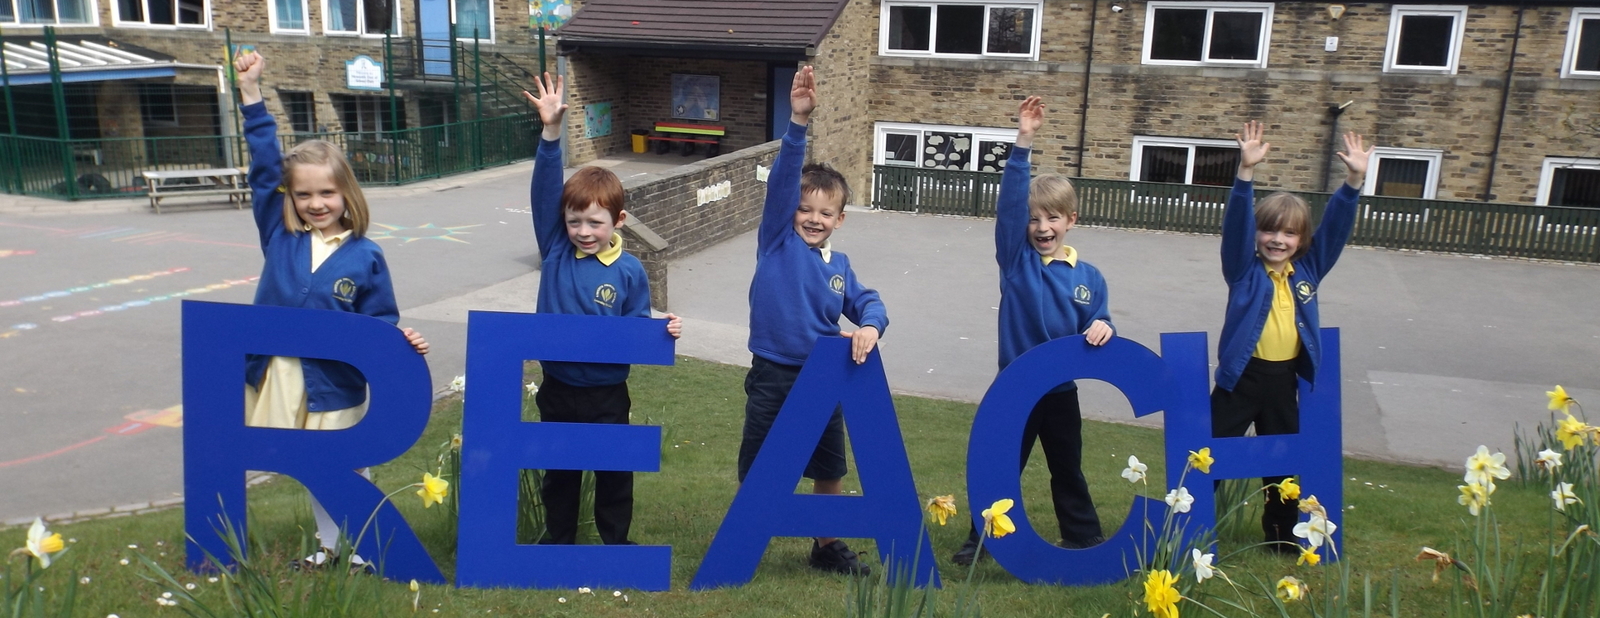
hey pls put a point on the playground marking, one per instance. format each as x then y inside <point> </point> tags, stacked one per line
<point>96,286</point>
<point>422,232</point>
<point>137,423</point>
<point>5,253</point>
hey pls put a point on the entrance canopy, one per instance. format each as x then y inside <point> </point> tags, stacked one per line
<point>83,59</point>
<point>725,29</point>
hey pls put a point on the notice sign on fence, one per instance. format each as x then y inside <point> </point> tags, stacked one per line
<point>363,73</point>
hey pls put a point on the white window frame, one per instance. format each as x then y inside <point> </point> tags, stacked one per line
<point>988,134</point>
<point>1263,44</point>
<point>1547,173</point>
<point>1574,29</point>
<point>90,7</point>
<point>1037,6</point>
<point>276,28</point>
<point>1140,142</point>
<point>459,37</point>
<point>361,21</point>
<point>117,21</point>
<point>1435,159</point>
<point>1392,50</point>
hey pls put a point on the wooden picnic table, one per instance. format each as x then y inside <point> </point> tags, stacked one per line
<point>229,181</point>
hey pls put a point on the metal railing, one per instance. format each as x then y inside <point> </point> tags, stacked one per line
<point>1487,228</point>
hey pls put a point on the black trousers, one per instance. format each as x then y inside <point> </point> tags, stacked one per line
<point>1056,423</point>
<point>613,491</point>
<point>1267,395</point>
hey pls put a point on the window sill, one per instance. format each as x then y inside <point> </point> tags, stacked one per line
<point>992,64</point>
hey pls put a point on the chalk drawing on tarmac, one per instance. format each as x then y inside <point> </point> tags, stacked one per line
<point>426,231</point>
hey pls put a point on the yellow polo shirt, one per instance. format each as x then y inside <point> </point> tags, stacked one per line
<point>1280,341</point>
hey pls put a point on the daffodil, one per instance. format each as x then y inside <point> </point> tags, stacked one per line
<point>1310,505</point>
<point>533,388</point>
<point>1308,555</point>
<point>1563,496</point>
<point>434,490</point>
<point>1474,497</point>
<point>1291,589</point>
<point>1483,468</point>
<point>455,442</point>
<point>1571,432</point>
<point>416,596</point>
<point>1559,399</point>
<point>1288,490</point>
<point>995,522</point>
<point>1441,561</point>
<point>1202,565</point>
<point>1180,500</point>
<point>1548,460</point>
<point>43,544</point>
<point>1159,595</point>
<point>459,384</point>
<point>1315,530</point>
<point>1201,460</point>
<point>941,508</point>
<point>1135,470</point>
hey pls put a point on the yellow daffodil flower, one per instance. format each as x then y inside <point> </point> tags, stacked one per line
<point>1559,399</point>
<point>1474,497</point>
<point>1308,555</point>
<point>1202,565</point>
<point>1483,468</point>
<point>1135,470</point>
<point>941,508</point>
<point>1201,460</point>
<point>1288,490</point>
<point>43,544</point>
<point>1309,505</point>
<point>1291,589</point>
<point>1315,530</point>
<point>995,522</point>
<point>1159,595</point>
<point>1571,432</point>
<point>1180,500</point>
<point>1563,496</point>
<point>1548,460</point>
<point>434,490</point>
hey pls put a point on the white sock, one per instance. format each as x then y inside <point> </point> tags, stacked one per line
<point>328,530</point>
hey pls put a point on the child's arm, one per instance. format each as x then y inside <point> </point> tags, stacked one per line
<point>864,308</point>
<point>1100,329</point>
<point>1011,210</point>
<point>266,156</point>
<point>1339,218</point>
<point>415,339</point>
<point>378,299</point>
<point>544,194</point>
<point>1239,219</point>
<point>783,183</point>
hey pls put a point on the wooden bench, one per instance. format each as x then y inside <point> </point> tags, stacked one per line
<point>163,184</point>
<point>688,135</point>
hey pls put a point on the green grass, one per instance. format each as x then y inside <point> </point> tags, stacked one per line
<point>1393,511</point>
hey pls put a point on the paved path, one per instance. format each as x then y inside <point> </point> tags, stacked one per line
<point>1441,353</point>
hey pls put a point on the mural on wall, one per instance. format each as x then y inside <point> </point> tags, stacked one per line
<point>596,120</point>
<point>696,97</point>
<point>549,14</point>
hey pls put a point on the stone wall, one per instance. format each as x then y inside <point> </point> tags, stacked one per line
<point>844,87</point>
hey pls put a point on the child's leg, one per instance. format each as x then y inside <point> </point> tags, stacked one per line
<point>1280,414</point>
<point>560,489</point>
<point>328,531</point>
<point>1061,435</point>
<point>766,386</point>
<point>613,490</point>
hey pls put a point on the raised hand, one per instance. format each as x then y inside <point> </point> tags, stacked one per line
<point>550,103</point>
<point>1030,118</point>
<point>1252,151</point>
<point>803,95</point>
<point>1355,156</point>
<point>248,65</point>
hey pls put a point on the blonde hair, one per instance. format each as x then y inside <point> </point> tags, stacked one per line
<point>320,152</point>
<point>1286,211</point>
<point>1053,193</point>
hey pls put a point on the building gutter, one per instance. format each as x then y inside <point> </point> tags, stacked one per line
<point>1088,65</point>
<point>1505,99</point>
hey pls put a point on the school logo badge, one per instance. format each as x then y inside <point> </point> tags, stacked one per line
<point>837,283</point>
<point>1082,295</point>
<point>605,295</point>
<point>1305,291</point>
<point>344,290</point>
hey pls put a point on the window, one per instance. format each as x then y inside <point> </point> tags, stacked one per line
<point>1583,45</point>
<point>1185,161</point>
<point>1425,38</point>
<point>47,12</point>
<point>362,17</point>
<point>302,110</point>
<point>158,105</point>
<point>1570,182</point>
<point>1226,33</point>
<point>289,16</point>
<point>964,30</point>
<point>1402,172</point>
<point>368,113</point>
<point>942,147</point>
<point>473,16</point>
<point>161,13</point>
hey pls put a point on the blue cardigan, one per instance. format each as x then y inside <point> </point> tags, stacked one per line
<point>576,286</point>
<point>355,278</point>
<point>1038,301</point>
<point>795,296</point>
<point>1250,289</point>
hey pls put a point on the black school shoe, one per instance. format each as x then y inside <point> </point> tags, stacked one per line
<point>836,557</point>
<point>968,554</point>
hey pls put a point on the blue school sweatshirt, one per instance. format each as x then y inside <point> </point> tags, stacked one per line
<point>1250,288</point>
<point>580,286</point>
<point>796,295</point>
<point>354,278</point>
<point>1038,301</point>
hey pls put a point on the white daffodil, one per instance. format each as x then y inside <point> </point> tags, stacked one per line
<point>1483,468</point>
<point>1135,470</point>
<point>532,388</point>
<point>1548,460</point>
<point>459,384</point>
<point>1563,496</point>
<point>1316,530</point>
<point>43,544</point>
<point>1202,565</point>
<point>1180,500</point>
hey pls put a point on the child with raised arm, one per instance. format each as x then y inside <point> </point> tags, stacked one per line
<point>801,288</point>
<point>317,257</point>
<point>584,271</point>
<point>1046,292</point>
<point>1273,266</point>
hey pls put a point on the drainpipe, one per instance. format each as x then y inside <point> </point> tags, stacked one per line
<point>1088,63</point>
<point>1505,96</point>
<point>1334,111</point>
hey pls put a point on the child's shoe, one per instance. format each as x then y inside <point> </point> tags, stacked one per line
<point>968,553</point>
<point>836,557</point>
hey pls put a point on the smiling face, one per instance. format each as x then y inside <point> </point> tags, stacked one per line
<point>1047,231</point>
<point>1283,229</point>
<point>590,229</point>
<point>819,214</point>
<point>1277,248</point>
<point>317,198</point>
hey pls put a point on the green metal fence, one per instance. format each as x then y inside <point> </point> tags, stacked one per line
<point>114,166</point>
<point>1514,230</point>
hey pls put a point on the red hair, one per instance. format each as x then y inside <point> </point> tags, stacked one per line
<point>593,185</point>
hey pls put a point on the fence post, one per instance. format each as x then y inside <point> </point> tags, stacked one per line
<point>59,94</point>
<point>14,183</point>
<point>477,97</point>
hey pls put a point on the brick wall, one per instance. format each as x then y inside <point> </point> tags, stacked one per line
<point>596,80</point>
<point>844,86</point>
<point>666,201</point>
